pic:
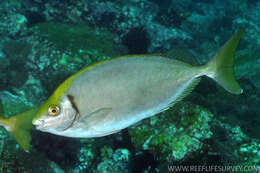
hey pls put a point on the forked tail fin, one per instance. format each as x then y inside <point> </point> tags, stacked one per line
<point>19,126</point>
<point>220,67</point>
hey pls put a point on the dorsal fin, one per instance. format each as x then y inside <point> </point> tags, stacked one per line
<point>182,55</point>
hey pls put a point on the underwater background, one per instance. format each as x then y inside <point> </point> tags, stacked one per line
<point>42,42</point>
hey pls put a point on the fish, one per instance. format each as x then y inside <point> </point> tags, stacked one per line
<point>111,95</point>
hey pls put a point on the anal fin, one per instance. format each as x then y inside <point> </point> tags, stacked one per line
<point>184,93</point>
<point>188,90</point>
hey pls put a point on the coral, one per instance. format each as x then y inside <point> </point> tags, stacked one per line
<point>250,153</point>
<point>113,161</point>
<point>85,157</point>
<point>172,13</point>
<point>13,24</point>
<point>175,134</point>
<point>149,16</point>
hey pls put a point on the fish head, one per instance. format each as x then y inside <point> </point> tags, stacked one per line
<point>55,117</point>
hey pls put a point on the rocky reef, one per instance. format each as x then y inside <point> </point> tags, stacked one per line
<point>174,134</point>
<point>44,42</point>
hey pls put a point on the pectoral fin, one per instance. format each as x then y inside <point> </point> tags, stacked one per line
<point>96,116</point>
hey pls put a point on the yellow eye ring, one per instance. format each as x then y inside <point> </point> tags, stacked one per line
<point>54,110</point>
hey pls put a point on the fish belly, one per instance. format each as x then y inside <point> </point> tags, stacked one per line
<point>134,88</point>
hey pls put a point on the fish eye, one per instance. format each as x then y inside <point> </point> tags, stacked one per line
<point>54,110</point>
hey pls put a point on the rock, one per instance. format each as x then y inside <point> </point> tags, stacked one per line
<point>13,104</point>
<point>85,158</point>
<point>113,161</point>
<point>16,52</point>
<point>14,24</point>
<point>246,151</point>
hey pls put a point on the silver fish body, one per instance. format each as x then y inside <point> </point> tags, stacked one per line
<point>125,91</point>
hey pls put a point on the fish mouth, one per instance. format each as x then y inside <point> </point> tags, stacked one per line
<point>38,123</point>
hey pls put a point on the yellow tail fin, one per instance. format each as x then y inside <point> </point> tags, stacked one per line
<point>19,126</point>
<point>220,67</point>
